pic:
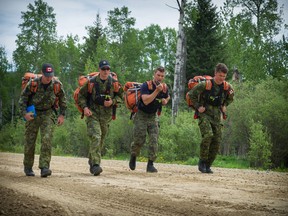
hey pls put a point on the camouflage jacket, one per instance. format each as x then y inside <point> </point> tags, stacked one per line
<point>42,99</point>
<point>200,96</point>
<point>91,101</point>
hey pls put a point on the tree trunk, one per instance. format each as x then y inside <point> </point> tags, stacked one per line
<point>1,114</point>
<point>179,74</point>
<point>12,105</point>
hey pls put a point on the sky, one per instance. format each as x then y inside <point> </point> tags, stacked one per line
<point>73,16</point>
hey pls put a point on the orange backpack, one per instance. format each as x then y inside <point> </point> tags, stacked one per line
<point>195,81</point>
<point>34,85</point>
<point>86,78</point>
<point>132,95</point>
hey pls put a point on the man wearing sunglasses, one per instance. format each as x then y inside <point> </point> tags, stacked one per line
<point>97,106</point>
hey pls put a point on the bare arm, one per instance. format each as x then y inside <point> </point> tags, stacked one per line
<point>148,98</point>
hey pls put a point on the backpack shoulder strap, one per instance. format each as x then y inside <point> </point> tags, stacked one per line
<point>91,83</point>
<point>208,85</point>
<point>116,85</point>
<point>109,84</point>
<point>150,84</point>
<point>56,85</point>
<point>34,85</point>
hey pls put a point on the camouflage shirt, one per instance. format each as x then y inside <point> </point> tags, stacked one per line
<point>95,100</point>
<point>200,96</point>
<point>44,98</point>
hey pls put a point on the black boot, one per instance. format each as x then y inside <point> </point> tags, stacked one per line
<point>132,162</point>
<point>96,170</point>
<point>28,171</point>
<point>150,167</point>
<point>202,166</point>
<point>208,169</point>
<point>45,172</point>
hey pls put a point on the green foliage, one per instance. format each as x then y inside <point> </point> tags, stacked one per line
<point>12,137</point>
<point>36,41</point>
<point>265,102</point>
<point>250,38</point>
<point>120,134</point>
<point>231,162</point>
<point>91,42</point>
<point>179,141</point>
<point>133,55</point>
<point>204,47</point>
<point>260,147</point>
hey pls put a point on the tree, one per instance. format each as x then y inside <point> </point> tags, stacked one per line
<point>119,25</point>
<point>179,74</point>
<point>260,146</point>
<point>204,41</point>
<point>251,38</point>
<point>36,42</point>
<point>69,61</point>
<point>90,45</point>
<point>4,66</point>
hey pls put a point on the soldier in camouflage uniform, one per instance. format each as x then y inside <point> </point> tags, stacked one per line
<point>43,100</point>
<point>98,108</point>
<point>210,107</point>
<point>145,120</point>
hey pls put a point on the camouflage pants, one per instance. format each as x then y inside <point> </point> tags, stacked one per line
<point>145,123</point>
<point>46,124</point>
<point>211,132</point>
<point>97,130</point>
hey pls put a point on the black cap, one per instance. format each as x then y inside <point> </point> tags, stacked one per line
<point>48,70</point>
<point>104,63</point>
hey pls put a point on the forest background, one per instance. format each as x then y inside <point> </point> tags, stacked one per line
<point>255,132</point>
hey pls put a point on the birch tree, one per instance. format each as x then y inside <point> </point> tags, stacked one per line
<point>179,75</point>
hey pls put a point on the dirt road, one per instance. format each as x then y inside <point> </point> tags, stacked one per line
<point>174,190</point>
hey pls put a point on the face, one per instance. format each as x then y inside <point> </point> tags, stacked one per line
<point>219,77</point>
<point>159,76</point>
<point>104,73</point>
<point>46,80</point>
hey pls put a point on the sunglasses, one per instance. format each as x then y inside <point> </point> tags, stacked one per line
<point>105,68</point>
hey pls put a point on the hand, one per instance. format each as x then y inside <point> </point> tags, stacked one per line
<point>201,109</point>
<point>159,87</point>
<point>60,120</point>
<point>87,111</point>
<point>224,109</point>
<point>164,101</point>
<point>108,103</point>
<point>29,116</point>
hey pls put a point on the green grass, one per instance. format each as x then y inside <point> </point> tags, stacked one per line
<point>231,162</point>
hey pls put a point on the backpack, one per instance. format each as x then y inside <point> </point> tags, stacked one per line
<point>194,82</point>
<point>86,78</point>
<point>34,85</point>
<point>132,95</point>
